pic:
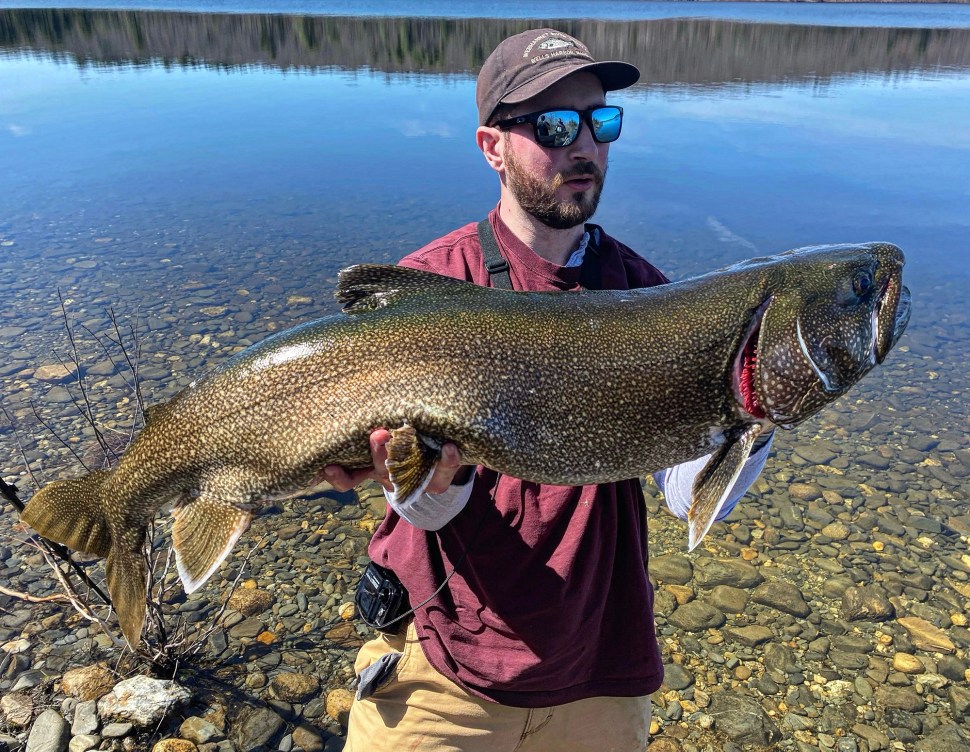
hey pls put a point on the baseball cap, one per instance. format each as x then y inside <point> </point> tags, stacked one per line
<point>528,63</point>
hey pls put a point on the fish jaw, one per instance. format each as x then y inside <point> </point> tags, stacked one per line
<point>744,380</point>
<point>890,317</point>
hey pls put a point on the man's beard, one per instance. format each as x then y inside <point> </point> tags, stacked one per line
<point>539,199</point>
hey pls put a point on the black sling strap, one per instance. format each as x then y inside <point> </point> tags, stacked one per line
<point>498,268</point>
<point>589,272</point>
<point>495,263</point>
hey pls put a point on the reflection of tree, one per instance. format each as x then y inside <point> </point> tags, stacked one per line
<point>692,51</point>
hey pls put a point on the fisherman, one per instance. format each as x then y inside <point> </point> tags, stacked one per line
<point>532,624</point>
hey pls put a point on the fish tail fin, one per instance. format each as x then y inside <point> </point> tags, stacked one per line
<point>205,531</point>
<point>71,512</point>
<point>127,576</point>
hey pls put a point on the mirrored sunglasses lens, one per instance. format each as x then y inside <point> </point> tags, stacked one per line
<point>606,123</point>
<point>557,127</point>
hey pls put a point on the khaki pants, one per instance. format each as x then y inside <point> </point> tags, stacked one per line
<point>419,709</point>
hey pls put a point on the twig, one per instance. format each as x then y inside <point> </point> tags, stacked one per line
<point>9,492</point>
<point>217,619</point>
<point>23,454</point>
<point>133,366</point>
<point>82,607</point>
<point>110,357</point>
<point>88,410</point>
<point>53,433</point>
<point>33,598</point>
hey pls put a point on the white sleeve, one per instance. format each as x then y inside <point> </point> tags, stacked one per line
<point>428,511</point>
<point>677,482</point>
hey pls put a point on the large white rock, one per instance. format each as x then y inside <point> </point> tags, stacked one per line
<point>142,700</point>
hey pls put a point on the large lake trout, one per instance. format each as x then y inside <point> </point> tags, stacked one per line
<point>564,388</point>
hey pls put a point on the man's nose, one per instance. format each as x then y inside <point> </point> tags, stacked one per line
<point>585,147</point>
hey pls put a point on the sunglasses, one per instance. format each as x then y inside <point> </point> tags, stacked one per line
<point>555,129</point>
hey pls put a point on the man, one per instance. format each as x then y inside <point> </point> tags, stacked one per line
<point>532,624</point>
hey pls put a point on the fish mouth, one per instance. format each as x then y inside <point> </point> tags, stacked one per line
<point>890,317</point>
<point>745,371</point>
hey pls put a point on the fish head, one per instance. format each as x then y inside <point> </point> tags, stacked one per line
<point>830,315</point>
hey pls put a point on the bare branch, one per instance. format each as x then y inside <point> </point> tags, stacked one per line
<point>109,355</point>
<point>33,598</point>
<point>53,433</point>
<point>23,454</point>
<point>88,410</point>
<point>133,366</point>
<point>217,619</point>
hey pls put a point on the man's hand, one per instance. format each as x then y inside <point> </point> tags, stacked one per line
<point>445,472</point>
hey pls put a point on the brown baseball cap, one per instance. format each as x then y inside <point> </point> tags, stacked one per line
<point>528,63</point>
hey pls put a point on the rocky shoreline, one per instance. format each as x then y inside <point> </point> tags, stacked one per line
<point>810,623</point>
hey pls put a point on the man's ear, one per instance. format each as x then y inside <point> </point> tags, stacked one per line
<point>492,145</point>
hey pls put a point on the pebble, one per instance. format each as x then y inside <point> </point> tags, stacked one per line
<point>750,635</point>
<point>174,745</point>
<point>50,733</point>
<point>56,373</point>
<point>714,572</point>
<point>255,727</point>
<point>339,702</point>
<point>199,730</point>
<point>676,677</point>
<point>782,596</point>
<point>18,709</point>
<point>86,719</point>
<point>743,719</point>
<point>731,600</point>
<point>926,636</point>
<point>83,742</point>
<point>696,616</point>
<point>867,603</point>
<point>294,687</point>
<point>88,682</point>
<point>908,664</point>
<point>672,568</point>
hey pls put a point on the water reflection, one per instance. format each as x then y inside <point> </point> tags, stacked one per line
<point>665,50</point>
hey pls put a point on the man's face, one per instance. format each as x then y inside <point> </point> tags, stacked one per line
<point>559,187</point>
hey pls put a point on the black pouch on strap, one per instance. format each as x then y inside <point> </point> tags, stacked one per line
<point>381,599</point>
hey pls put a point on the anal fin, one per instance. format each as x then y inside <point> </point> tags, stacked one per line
<point>713,485</point>
<point>410,463</point>
<point>205,531</point>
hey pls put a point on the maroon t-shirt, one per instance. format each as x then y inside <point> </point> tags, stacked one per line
<point>550,602</point>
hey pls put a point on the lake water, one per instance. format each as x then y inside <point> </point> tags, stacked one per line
<point>164,163</point>
<point>204,170</point>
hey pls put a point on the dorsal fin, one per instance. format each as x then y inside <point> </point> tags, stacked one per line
<point>367,287</point>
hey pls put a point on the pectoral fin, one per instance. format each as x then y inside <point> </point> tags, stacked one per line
<point>206,528</point>
<point>410,462</point>
<point>713,486</point>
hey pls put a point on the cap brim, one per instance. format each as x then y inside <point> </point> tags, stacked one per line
<point>613,74</point>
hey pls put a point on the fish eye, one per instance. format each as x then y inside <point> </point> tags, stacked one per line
<point>862,284</point>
